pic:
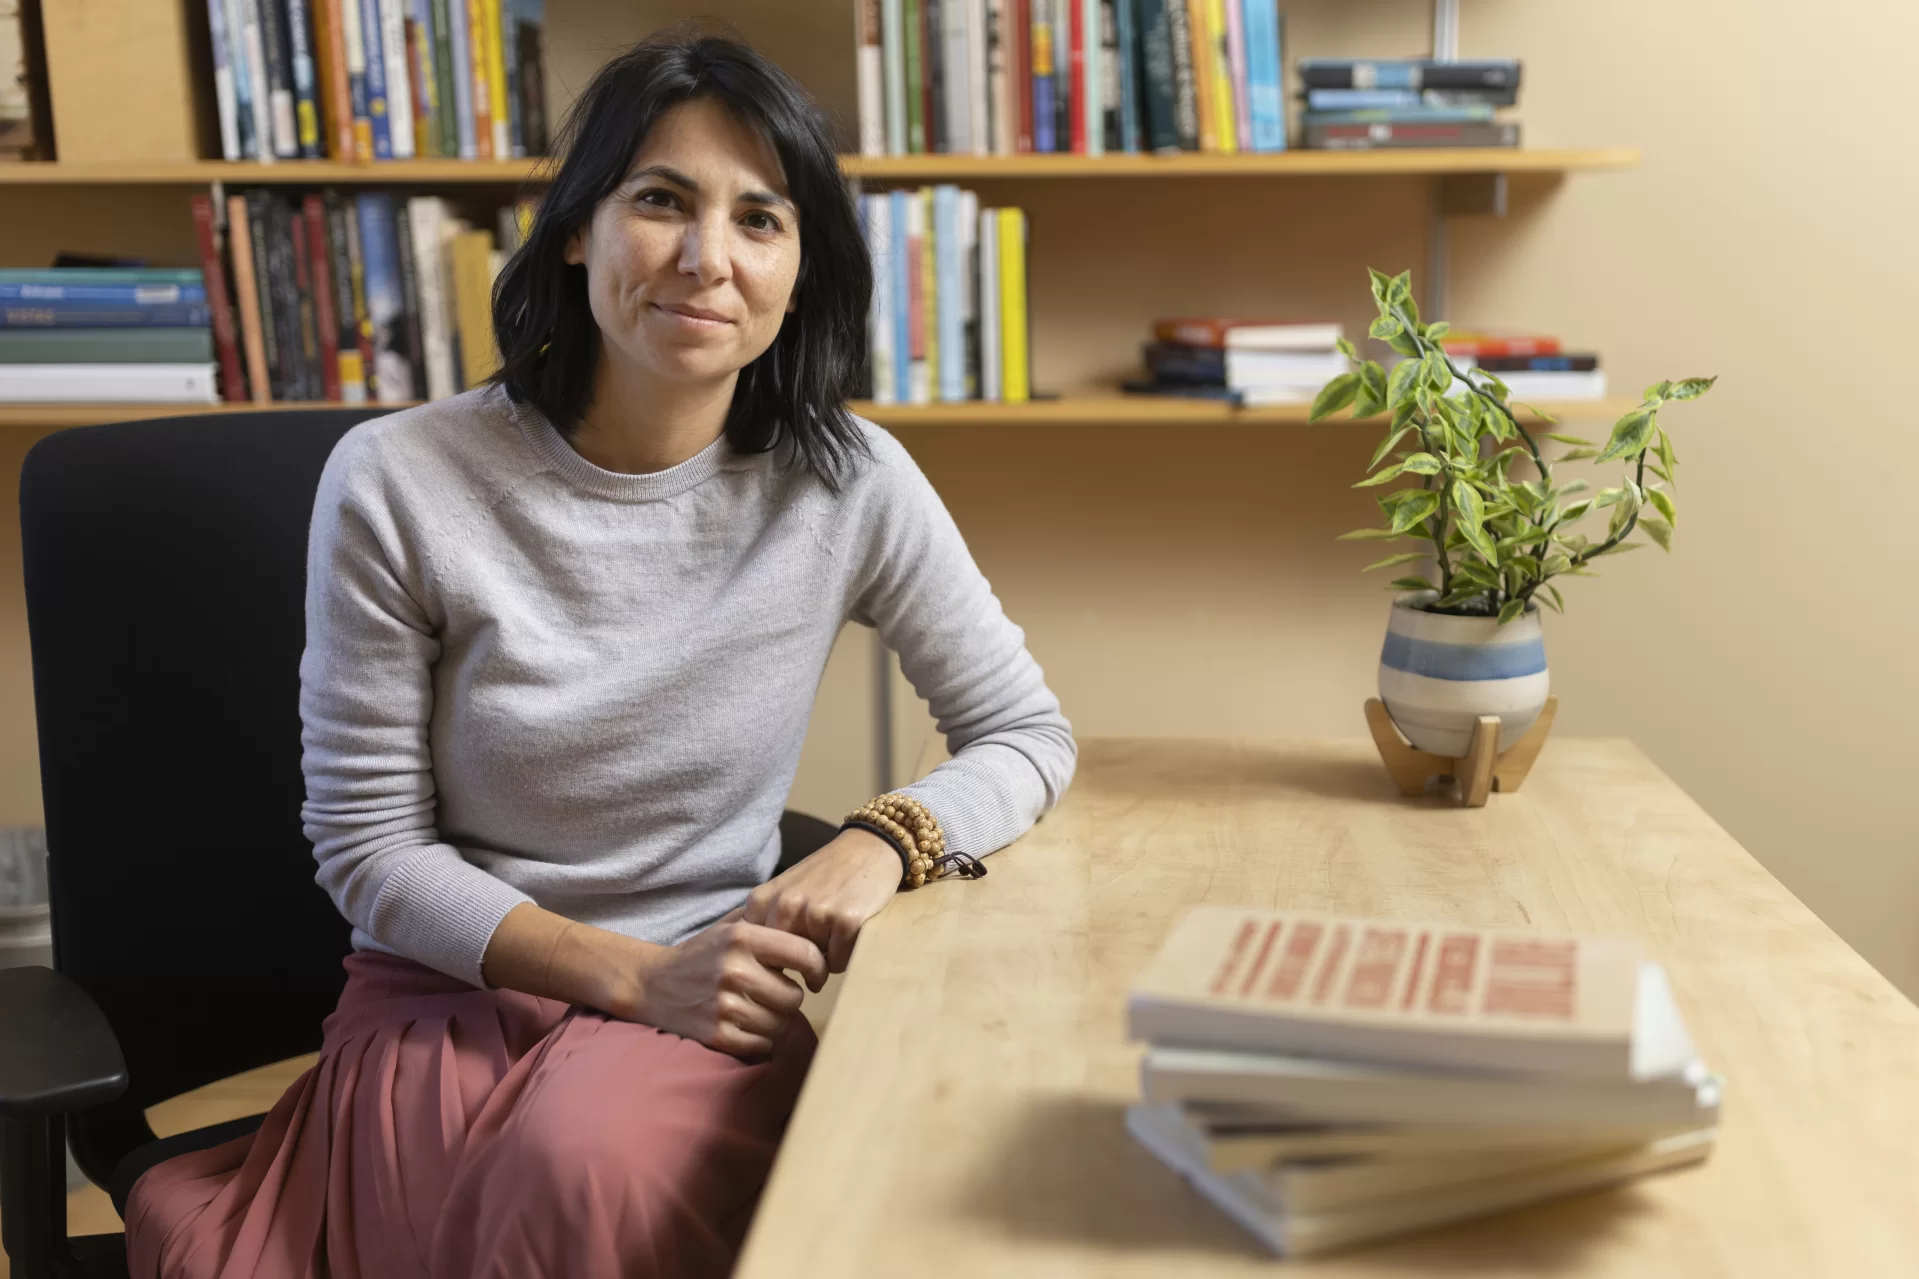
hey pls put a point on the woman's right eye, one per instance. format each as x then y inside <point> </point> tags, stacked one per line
<point>657,198</point>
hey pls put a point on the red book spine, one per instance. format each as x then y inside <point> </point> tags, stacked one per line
<point>320,271</point>
<point>1076,74</point>
<point>233,382</point>
<point>1022,72</point>
<point>1503,346</point>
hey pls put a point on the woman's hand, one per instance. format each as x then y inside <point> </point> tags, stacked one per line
<point>829,896</point>
<point>725,986</point>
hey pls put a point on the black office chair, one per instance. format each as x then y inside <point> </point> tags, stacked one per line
<point>165,572</point>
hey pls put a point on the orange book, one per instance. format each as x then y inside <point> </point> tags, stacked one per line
<point>1392,992</point>
<point>1205,45</point>
<point>336,104</point>
<point>246,292</point>
<point>481,60</point>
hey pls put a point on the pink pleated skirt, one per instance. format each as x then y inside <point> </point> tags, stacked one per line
<point>454,1132</point>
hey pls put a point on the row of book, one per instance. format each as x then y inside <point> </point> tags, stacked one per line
<point>352,299</point>
<point>1242,361</point>
<point>106,334</point>
<point>1534,366</point>
<point>949,319</point>
<point>1005,77</point>
<point>1326,1081</point>
<point>365,80</point>
<point>1358,104</point>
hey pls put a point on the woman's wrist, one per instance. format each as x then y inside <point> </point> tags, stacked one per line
<point>537,952</point>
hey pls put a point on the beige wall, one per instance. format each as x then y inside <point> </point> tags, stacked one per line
<point>1185,582</point>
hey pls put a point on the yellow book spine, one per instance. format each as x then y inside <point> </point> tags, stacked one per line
<point>1015,358</point>
<point>929,295</point>
<point>496,81</point>
<point>1225,112</point>
<point>1199,16</point>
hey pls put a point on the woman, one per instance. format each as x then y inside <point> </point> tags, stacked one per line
<point>564,634</point>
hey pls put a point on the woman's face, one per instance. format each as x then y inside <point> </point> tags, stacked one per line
<point>690,264</point>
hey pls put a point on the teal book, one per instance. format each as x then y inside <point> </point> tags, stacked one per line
<point>106,346</point>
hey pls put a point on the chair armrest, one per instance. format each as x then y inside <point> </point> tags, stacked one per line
<point>58,1053</point>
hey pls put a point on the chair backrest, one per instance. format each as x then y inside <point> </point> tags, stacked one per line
<point>165,577</point>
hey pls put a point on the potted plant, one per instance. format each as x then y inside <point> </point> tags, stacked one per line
<point>1494,523</point>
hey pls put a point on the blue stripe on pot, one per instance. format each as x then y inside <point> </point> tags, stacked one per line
<point>1463,661</point>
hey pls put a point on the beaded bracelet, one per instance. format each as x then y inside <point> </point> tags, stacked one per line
<point>915,834</point>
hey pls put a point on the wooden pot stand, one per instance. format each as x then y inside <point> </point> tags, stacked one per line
<point>1483,769</point>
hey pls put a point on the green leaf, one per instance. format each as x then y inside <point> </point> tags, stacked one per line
<point>1575,511</point>
<point>1382,288</point>
<point>1629,435</point>
<point>1419,505</point>
<point>1511,609</point>
<point>1472,512</point>
<point>1666,456</point>
<point>1400,384</point>
<point>1421,464</point>
<point>1526,536</point>
<point>1385,328</point>
<point>1345,348</point>
<point>1559,605</point>
<point>1382,477</point>
<point>1369,535</point>
<point>1555,564</point>
<point>1539,413</point>
<point>1657,391</point>
<point>1394,561</point>
<point>1410,584</point>
<point>1567,439</point>
<point>1660,471</point>
<point>1465,595</point>
<point>1621,549</point>
<point>1577,455</point>
<point>1658,530</point>
<point>1691,389</point>
<point>1372,390</point>
<point>1437,375</point>
<point>1403,343</point>
<point>1401,293</point>
<point>1388,445</point>
<point>1609,497</point>
<point>1663,501</point>
<point>1437,330</point>
<point>1334,396</point>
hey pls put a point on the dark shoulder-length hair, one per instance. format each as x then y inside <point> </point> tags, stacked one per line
<point>797,390</point>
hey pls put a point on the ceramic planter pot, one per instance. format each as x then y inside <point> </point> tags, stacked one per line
<point>1439,674</point>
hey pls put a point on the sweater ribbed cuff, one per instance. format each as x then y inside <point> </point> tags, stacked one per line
<point>440,910</point>
<point>982,805</point>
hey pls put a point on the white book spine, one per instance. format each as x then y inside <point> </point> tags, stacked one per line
<point>427,217</point>
<point>881,320</point>
<point>1004,113</point>
<point>893,55</point>
<point>949,293</point>
<point>867,69</point>
<point>956,112</point>
<point>1092,102</point>
<point>990,356</point>
<point>263,113</point>
<point>978,92</point>
<point>223,80</point>
<point>399,83</point>
<point>108,383</point>
<point>919,388</point>
<point>968,220</point>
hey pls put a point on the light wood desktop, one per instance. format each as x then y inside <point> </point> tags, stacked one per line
<point>964,1114</point>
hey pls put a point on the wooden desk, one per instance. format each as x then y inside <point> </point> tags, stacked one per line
<point>963,1116</point>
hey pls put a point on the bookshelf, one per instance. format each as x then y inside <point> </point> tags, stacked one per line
<point>1090,409</point>
<point>1437,162</point>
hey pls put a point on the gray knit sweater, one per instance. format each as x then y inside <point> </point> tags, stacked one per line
<point>529,679</point>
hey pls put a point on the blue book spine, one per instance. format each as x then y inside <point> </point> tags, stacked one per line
<point>460,38</point>
<point>1360,99</point>
<point>902,310</point>
<point>509,27</point>
<point>1129,88</point>
<point>946,264</point>
<point>376,86</point>
<point>101,295</point>
<point>385,297</point>
<point>1046,63</point>
<point>66,315</point>
<point>1265,92</point>
<point>243,117</point>
<point>183,275</point>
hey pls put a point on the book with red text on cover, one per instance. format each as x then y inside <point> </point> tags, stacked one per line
<point>1392,992</point>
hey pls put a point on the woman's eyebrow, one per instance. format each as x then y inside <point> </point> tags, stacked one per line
<point>678,179</point>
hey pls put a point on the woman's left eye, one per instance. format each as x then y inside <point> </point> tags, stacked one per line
<point>760,220</point>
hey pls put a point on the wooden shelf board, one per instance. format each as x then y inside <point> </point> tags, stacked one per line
<point>878,168</point>
<point>1073,410</point>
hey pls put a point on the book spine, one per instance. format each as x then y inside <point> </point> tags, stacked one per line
<point>480,66</point>
<point>257,226</point>
<point>419,67</point>
<point>509,56</point>
<point>1156,76</point>
<point>279,69</point>
<point>893,57</point>
<point>359,104</point>
<point>258,95</point>
<point>946,268</point>
<point>80,297</point>
<point>1537,363</point>
<point>385,298</point>
<point>70,315</point>
<point>930,295</point>
<point>1076,76</point>
<point>913,37</point>
<point>979,91</point>
<point>531,44</point>
<point>1045,77</point>
<point>969,290</point>
<point>1000,114</point>
<point>319,271</point>
<point>223,80</point>
<point>346,339</point>
<point>1112,130</point>
<point>917,383</point>
<point>399,84</point>
<point>496,83</point>
<point>1017,387</point>
<point>446,120</point>
<point>1126,49</point>
<point>234,26</point>
<point>1234,61</point>
<point>206,231</point>
<point>408,270</point>
<point>1021,89</point>
<point>185,277</point>
<point>956,85</point>
<point>113,346</point>
<point>1205,45</point>
<point>109,383</point>
<point>1179,30</point>
<point>878,223</point>
<point>312,348</point>
<point>459,41</point>
<point>991,354</point>
<point>1265,96</point>
<point>336,95</point>
<point>306,86</point>
<point>900,220</point>
<point>868,72</point>
<point>933,102</point>
<point>1386,135</point>
<point>295,374</point>
<point>1406,73</point>
<point>246,294</point>
<point>428,218</point>
<point>379,109</point>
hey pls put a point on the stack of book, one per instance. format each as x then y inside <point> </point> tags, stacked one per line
<point>353,299</point>
<point>1250,362</point>
<point>366,80</point>
<point>1329,1080</point>
<point>105,334</point>
<point>949,316</point>
<point>1005,77</point>
<point>1358,104</point>
<point>1532,365</point>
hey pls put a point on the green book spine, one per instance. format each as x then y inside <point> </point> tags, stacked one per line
<point>915,80</point>
<point>1156,75</point>
<point>106,346</point>
<point>102,275</point>
<point>446,117</point>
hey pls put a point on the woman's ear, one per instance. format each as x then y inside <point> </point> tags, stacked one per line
<point>575,254</point>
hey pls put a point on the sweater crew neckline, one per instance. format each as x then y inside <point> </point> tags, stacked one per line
<point>651,486</point>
